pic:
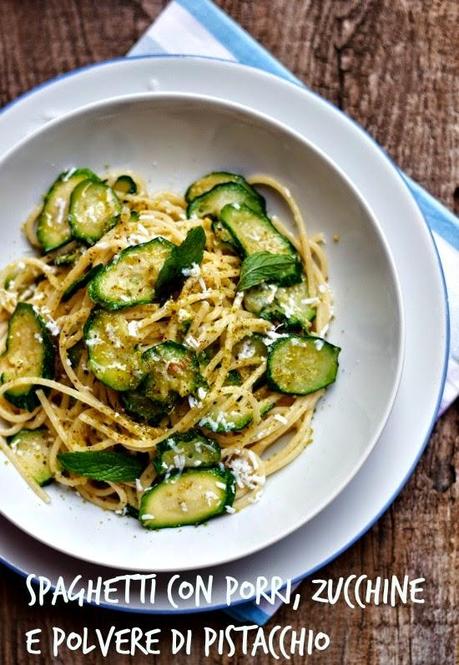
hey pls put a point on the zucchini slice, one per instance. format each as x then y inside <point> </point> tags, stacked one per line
<point>260,297</point>
<point>53,228</point>
<point>112,354</point>
<point>80,282</point>
<point>67,258</point>
<point>188,450</point>
<point>129,279</point>
<point>191,497</point>
<point>124,184</point>
<point>211,180</point>
<point>75,352</point>
<point>223,234</point>
<point>253,232</point>
<point>206,355</point>
<point>29,352</point>
<point>287,304</point>
<point>233,378</point>
<point>234,420</point>
<point>252,346</point>
<point>171,370</point>
<point>32,449</point>
<point>212,202</point>
<point>301,365</point>
<point>142,408</point>
<point>94,209</point>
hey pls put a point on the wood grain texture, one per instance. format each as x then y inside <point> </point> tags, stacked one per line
<point>394,67</point>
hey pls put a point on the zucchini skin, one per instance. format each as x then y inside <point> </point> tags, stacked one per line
<point>74,353</point>
<point>33,446</point>
<point>212,202</point>
<point>81,282</point>
<point>211,180</point>
<point>25,397</point>
<point>195,449</point>
<point>300,365</point>
<point>125,185</point>
<point>178,489</point>
<point>64,184</point>
<point>142,284</point>
<point>223,235</point>
<point>91,231</point>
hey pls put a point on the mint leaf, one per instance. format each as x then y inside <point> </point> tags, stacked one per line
<point>102,465</point>
<point>264,267</point>
<point>181,258</point>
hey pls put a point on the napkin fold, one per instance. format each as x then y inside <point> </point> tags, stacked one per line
<point>198,27</point>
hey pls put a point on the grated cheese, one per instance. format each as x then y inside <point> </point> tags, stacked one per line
<point>133,328</point>
<point>193,271</point>
<point>280,418</point>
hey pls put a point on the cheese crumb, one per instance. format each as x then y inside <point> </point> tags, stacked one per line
<point>133,328</point>
<point>193,271</point>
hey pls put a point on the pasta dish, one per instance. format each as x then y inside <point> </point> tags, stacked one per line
<point>158,347</point>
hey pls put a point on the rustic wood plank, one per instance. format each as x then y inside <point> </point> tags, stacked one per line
<point>394,67</point>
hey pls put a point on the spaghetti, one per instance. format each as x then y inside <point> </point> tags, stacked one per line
<point>207,315</point>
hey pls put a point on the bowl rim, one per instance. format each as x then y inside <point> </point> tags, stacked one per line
<point>265,119</point>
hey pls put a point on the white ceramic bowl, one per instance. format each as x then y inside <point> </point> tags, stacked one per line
<point>171,139</point>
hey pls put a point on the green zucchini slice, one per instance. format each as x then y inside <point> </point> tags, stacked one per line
<point>188,450</point>
<point>253,232</point>
<point>223,235</point>
<point>171,370</point>
<point>129,279</point>
<point>53,228</point>
<point>212,202</point>
<point>142,408</point>
<point>124,184</point>
<point>252,346</point>
<point>217,420</point>
<point>260,297</point>
<point>67,258</point>
<point>287,304</point>
<point>75,352</point>
<point>31,446</point>
<point>301,365</point>
<point>233,378</point>
<point>191,497</point>
<point>112,354</point>
<point>211,180</point>
<point>94,209</point>
<point>29,352</point>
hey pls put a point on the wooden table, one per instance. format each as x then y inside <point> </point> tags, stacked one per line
<point>394,67</point>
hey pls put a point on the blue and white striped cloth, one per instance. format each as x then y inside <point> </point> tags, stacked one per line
<point>198,27</point>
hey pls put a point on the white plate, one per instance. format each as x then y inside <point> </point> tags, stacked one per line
<point>172,139</point>
<point>406,432</point>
